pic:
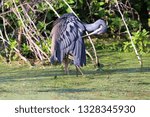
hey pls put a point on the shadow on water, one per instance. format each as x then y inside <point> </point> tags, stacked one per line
<point>129,70</point>
<point>43,74</point>
<point>60,90</point>
<point>30,74</point>
<point>144,83</point>
<point>82,90</point>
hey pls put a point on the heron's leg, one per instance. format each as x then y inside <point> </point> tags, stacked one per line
<point>78,69</point>
<point>66,63</point>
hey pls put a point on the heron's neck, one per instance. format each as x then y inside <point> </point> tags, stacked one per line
<point>91,27</point>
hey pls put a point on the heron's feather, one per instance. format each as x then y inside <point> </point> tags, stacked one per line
<point>67,40</point>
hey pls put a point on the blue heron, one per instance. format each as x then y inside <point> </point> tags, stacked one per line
<point>67,40</point>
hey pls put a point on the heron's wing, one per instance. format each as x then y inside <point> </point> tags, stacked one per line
<point>67,35</point>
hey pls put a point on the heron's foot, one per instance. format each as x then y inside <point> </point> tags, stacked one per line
<point>55,77</point>
<point>100,65</point>
<point>99,69</point>
<point>66,72</point>
<point>78,69</point>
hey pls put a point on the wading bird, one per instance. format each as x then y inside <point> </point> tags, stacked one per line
<point>67,40</point>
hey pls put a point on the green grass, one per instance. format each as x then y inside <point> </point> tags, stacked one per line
<point>121,78</point>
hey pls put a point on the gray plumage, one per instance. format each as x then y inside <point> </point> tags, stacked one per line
<point>67,39</point>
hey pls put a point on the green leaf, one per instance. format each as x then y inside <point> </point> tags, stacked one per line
<point>71,1</point>
<point>13,44</point>
<point>68,10</point>
<point>101,3</point>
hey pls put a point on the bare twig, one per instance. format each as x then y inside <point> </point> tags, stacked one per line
<point>16,50</point>
<point>30,32</point>
<point>133,45</point>
<point>52,8</point>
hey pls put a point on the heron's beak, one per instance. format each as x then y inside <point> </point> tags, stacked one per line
<point>98,31</point>
<point>102,29</point>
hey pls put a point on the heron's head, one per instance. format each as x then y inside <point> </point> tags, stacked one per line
<point>101,27</point>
